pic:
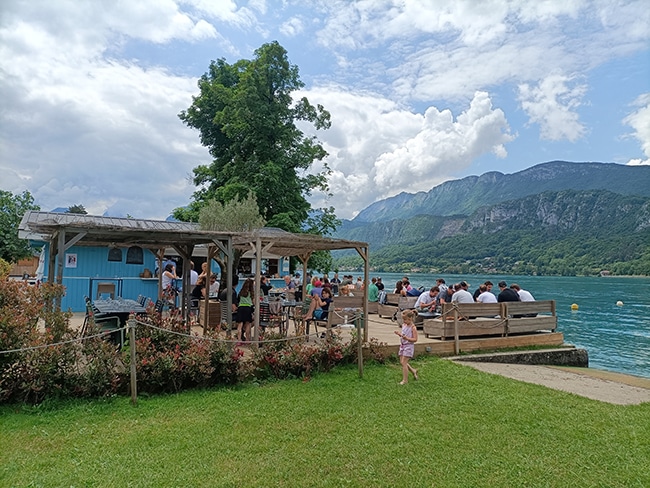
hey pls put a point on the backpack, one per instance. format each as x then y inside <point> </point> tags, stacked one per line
<point>382,298</point>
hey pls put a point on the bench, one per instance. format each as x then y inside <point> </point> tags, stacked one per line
<point>390,307</point>
<point>485,319</point>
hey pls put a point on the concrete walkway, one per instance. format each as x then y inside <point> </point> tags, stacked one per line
<point>604,386</point>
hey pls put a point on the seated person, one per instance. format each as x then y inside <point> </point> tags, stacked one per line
<point>320,305</point>
<point>198,292</point>
<point>426,302</point>
<point>485,296</point>
<point>214,285</point>
<point>265,286</point>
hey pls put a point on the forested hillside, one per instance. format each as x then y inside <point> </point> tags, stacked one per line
<point>466,195</point>
<point>566,233</point>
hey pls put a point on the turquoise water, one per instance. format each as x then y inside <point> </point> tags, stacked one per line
<point>616,337</point>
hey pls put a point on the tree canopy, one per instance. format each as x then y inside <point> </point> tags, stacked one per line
<point>77,209</point>
<point>12,209</point>
<point>247,117</point>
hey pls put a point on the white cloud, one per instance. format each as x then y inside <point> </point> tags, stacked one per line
<point>292,27</point>
<point>552,105</point>
<point>639,120</point>
<point>378,148</point>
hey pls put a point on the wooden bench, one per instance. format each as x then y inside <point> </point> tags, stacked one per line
<point>390,307</point>
<point>530,316</point>
<point>485,319</point>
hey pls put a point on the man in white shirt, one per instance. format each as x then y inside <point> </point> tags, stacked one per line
<point>485,296</point>
<point>462,295</point>
<point>194,276</point>
<point>524,295</point>
<point>426,302</point>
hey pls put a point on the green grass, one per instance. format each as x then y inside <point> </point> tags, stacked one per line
<point>455,427</point>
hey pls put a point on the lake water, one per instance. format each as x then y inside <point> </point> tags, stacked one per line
<point>616,337</point>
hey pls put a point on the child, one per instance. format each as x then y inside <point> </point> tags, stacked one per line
<point>244,316</point>
<point>409,336</point>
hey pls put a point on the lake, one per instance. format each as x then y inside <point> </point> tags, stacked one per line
<point>616,337</point>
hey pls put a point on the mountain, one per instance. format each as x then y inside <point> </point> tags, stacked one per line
<point>468,194</point>
<point>584,229</point>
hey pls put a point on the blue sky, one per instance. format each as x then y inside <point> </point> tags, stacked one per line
<point>420,92</point>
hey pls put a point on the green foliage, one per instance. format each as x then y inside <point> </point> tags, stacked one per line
<point>12,209</point>
<point>297,359</point>
<point>246,117</point>
<point>77,209</point>
<point>553,233</point>
<point>235,215</point>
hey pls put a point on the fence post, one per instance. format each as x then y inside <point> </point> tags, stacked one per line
<point>358,319</point>
<point>134,379</point>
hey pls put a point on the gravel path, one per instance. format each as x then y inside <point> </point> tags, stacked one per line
<point>595,384</point>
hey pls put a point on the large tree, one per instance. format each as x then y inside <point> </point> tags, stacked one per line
<point>12,209</point>
<point>247,117</point>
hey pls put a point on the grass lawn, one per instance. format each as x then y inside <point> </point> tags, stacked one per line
<point>455,427</point>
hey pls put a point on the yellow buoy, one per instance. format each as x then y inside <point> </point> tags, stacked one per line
<point>619,303</point>
<point>574,306</point>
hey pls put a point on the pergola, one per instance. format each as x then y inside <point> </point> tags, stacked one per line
<point>64,230</point>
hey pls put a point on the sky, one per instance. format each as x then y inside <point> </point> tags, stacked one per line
<point>419,92</point>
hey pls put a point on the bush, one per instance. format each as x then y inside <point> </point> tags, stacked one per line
<point>33,373</point>
<point>294,358</point>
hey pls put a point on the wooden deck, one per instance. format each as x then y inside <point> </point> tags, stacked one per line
<point>383,330</point>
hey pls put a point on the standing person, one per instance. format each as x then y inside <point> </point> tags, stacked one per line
<point>336,282</point>
<point>507,294</point>
<point>440,283</point>
<point>223,297</point>
<point>244,316</point>
<point>194,276</point>
<point>359,284</point>
<point>214,285</point>
<point>408,338</point>
<point>373,291</point>
<point>168,288</point>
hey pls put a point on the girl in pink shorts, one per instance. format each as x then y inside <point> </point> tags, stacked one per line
<point>408,338</point>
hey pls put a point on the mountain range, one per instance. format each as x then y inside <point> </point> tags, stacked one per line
<point>594,217</point>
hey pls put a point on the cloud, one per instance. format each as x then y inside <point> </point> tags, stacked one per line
<point>292,27</point>
<point>552,104</point>
<point>639,120</point>
<point>378,148</point>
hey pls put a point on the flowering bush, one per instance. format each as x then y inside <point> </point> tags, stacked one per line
<point>32,373</point>
<point>294,358</point>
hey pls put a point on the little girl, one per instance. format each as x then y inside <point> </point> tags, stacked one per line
<point>409,336</point>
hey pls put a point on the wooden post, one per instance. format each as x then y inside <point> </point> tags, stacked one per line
<point>134,379</point>
<point>359,346</point>
<point>456,339</point>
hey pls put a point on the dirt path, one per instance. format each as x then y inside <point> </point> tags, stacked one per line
<point>598,385</point>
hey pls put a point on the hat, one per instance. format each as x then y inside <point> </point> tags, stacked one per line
<point>503,284</point>
<point>463,284</point>
<point>378,278</point>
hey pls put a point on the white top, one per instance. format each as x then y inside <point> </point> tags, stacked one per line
<point>525,296</point>
<point>167,279</point>
<point>194,277</point>
<point>424,300</point>
<point>462,296</point>
<point>486,297</point>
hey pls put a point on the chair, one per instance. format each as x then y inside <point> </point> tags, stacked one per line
<point>103,322</point>
<point>108,288</point>
<point>271,315</point>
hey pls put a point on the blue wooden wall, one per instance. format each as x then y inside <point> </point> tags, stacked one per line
<point>92,262</point>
